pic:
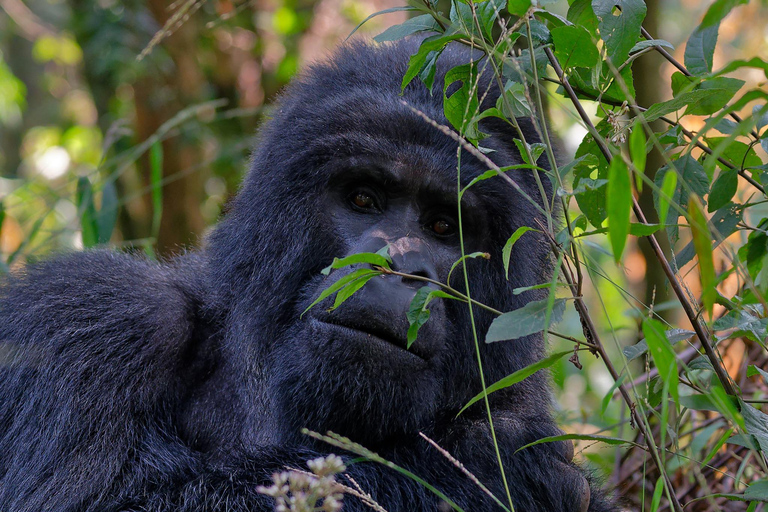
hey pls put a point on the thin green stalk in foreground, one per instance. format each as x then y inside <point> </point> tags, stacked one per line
<point>475,339</point>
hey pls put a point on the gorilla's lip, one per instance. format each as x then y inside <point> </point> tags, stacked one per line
<point>379,335</point>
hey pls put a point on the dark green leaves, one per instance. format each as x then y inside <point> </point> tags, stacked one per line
<point>532,318</point>
<point>723,190</point>
<point>619,23</point>
<point>700,49</point>
<point>424,56</point>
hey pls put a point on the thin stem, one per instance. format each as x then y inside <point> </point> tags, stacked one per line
<point>496,447</point>
<point>444,286</point>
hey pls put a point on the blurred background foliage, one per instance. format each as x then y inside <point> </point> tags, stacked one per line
<point>130,123</point>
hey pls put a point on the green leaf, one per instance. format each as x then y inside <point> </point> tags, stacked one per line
<point>463,104</point>
<point>580,13</point>
<point>351,287</point>
<point>420,23</point>
<point>344,281</point>
<point>700,49</point>
<point>755,423</point>
<point>658,110</point>
<point>716,448</point>
<point>662,353</point>
<point>658,491</point>
<point>84,200</point>
<point>754,62</point>
<point>757,491</point>
<point>641,347</point>
<point>753,370</point>
<point>529,319</point>
<point>703,245</point>
<point>418,314</point>
<point>721,91</point>
<point>513,102</point>
<point>580,437</point>
<point>618,205</point>
<point>518,7</point>
<point>506,252</point>
<point>638,153</point>
<point>690,178</point>
<point>107,216</point>
<point>574,47</point>
<point>156,183</point>
<point>723,189</point>
<point>473,255</point>
<point>647,43</point>
<point>518,376</point>
<point>719,10</point>
<point>379,13</point>
<point>619,22</point>
<point>372,258</point>
<point>417,62</point>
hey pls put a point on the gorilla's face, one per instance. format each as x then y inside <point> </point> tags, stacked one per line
<point>364,380</point>
<point>345,167</point>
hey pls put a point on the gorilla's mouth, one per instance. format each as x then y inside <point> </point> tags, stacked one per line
<point>384,337</point>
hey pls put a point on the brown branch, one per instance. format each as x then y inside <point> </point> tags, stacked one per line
<point>684,71</point>
<point>676,286</point>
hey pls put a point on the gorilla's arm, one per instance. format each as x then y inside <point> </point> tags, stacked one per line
<point>92,345</point>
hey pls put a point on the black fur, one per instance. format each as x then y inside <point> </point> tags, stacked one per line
<point>131,385</point>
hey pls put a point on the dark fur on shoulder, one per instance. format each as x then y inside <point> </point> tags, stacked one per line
<point>182,386</point>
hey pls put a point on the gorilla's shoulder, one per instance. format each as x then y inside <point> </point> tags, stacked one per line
<point>98,311</point>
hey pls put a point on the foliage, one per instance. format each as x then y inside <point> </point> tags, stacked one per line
<point>708,198</point>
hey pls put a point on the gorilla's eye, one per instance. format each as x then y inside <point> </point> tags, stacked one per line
<point>442,227</point>
<point>363,200</point>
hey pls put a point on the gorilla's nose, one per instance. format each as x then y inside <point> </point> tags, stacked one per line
<point>411,255</point>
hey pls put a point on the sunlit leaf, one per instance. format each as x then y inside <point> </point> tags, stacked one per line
<point>574,47</point>
<point>703,245</point>
<point>580,437</point>
<point>662,353</point>
<point>618,205</point>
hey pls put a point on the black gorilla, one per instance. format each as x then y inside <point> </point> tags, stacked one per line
<point>130,385</point>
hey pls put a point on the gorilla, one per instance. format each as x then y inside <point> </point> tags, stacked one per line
<point>131,385</point>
